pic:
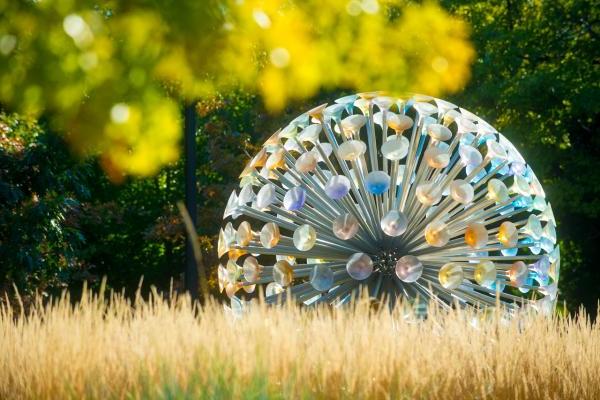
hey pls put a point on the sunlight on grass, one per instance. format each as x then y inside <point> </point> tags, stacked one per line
<point>159,349</point>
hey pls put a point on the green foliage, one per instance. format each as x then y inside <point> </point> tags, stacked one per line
<point>41,187</point>
<point>62,220</point>
<point>536,78</point>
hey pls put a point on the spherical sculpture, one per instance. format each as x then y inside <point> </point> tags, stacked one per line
<point>399,197</point>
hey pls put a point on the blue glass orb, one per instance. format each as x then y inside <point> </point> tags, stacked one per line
<point>337,187</point>
<point>294,199</point>
<point>377,182</point>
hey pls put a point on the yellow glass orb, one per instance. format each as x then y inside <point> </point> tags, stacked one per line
<point>231,288</point>
<point>351,125</point>
<point>436,234</point>
<point>317,112</point>
<point>508,234</point>
<point>234,254</point>
<point>259,159</point>
<point>305,237</point>
<point>222,244</point>
<point>451,276</point>
<point>273,141</point>
<point>476,235</point>
<point>497,191</point>
<point>276,159</point>
<point>554,270</point>
<point>243,235</point>
<point>399,123</point>
<point>283,273</point>
<point>450,116</point>
<point>249,288</point>
<point>485,273</point>
<point>269,235</point>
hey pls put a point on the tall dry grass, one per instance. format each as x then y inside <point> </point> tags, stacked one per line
<point>163,349</point>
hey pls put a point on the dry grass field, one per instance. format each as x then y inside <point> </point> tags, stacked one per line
<point>169,350</point>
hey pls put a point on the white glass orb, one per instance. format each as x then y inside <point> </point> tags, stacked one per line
<point>495,150</point>
<point>534,227</point>
<point>394,223</point>
<point>425,108</point>
<point>409,268</point>
<point>428,193</point>
<point>450,116</point>
<point>310,133</point>
<point>469,155</point>
<point>520,186</point>
<point>351,125</point>
<point>345,226</point>
<point>437,157</point>
<point>384,102</point>
<point>352,150</point>
<point>265,196</point>
<point>246,195</point>
<point>326,148</point>
<point>251,269</point>
<point>395,148</point>
<point>439,132</point>
<point>451,276</point>
<point>461,191</point>
<point>276,159</point>
<point>305,237</point>
<point>359,266</point>
<point>273,288</point>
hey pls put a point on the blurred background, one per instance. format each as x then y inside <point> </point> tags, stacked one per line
<point>92,96</point>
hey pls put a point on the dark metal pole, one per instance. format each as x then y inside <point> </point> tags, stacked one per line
<point>191,201</point>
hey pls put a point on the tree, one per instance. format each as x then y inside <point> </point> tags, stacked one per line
<point>41,188</point>
<point>111,76</point>
<point>536,78</point>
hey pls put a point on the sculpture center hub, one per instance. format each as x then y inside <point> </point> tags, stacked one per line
<point>386,261</point>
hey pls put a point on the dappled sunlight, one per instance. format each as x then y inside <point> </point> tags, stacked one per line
<point>76,64</point>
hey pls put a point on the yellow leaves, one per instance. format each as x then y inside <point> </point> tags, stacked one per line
<point>296,48</point>
<point>438,43</point>
<point>152,137</point>
<point>78,63</point>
